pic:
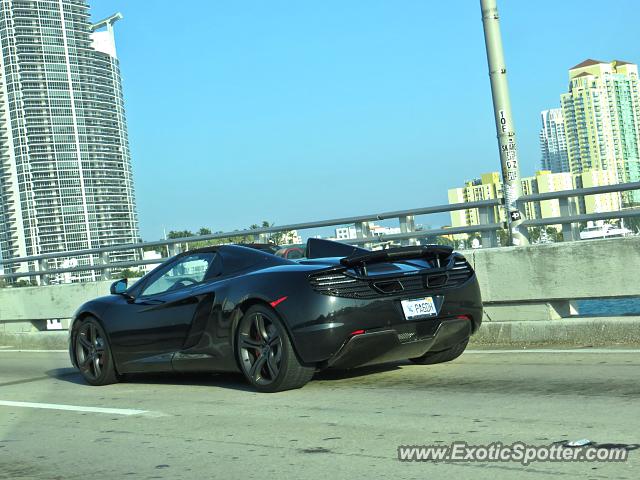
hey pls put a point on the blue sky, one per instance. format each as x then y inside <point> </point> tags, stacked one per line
<point>297,111</point>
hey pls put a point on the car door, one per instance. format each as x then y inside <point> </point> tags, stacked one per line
<point>148,329</point>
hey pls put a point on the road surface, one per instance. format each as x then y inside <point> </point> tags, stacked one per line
<point>341,425</point>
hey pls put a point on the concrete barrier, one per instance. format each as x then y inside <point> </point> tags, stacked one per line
<point>51,301</point>
<point>601,331</point>
<point>541,282</point>
<point>520,286</point>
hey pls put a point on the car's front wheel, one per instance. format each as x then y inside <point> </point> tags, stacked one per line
<point>265,353</point>
<point>93,354</point>
<point>447,355</point>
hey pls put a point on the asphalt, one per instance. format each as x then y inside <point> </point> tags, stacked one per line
<point>341,425</point>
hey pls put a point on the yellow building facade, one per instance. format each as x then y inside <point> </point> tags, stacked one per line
<point>489,186</point>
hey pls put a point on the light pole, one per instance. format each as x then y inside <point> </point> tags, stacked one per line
<point>504,121</point>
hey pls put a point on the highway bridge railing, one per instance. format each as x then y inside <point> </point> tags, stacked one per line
<point>101,263</point>
<point>544,282</point>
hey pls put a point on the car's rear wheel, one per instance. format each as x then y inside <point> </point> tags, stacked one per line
<point>265,353</point>
<point>447,355</point>
<point>93,353</point>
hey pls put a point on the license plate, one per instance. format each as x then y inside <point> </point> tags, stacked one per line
<point>421,307</point>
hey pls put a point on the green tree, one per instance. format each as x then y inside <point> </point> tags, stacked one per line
<point>555,235</point>
<point>445,241</point>
<point>277,238</point>
<point>255,226</point>
<point>503,237</point>
<point>633,224</point>
<point>127,273</point>
<point>534,234</point>
<point>179,234</point>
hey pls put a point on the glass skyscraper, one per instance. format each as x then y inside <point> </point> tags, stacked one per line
<point>65,168</point>
<point>553,142</point>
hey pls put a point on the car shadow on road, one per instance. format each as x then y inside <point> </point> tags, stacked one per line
<point>70,375</point>
<point>447,377</point>
<point>341,374</point>
<point>234,381</point>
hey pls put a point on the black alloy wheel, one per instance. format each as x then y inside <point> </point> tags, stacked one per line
<point>265,353</point>
<point>93,354</point>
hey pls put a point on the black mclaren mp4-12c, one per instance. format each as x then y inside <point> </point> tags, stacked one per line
<point>236,308</point>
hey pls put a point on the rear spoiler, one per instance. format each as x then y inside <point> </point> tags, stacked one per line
<point>363,257</point>
<point>321,248</point>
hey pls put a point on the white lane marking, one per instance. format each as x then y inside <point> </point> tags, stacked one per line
<point>78,408</point>
<point>15,350</point>
<point>549,350</point>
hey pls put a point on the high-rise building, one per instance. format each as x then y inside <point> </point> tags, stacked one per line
<point>489,186</point>
<point>346,233</point>
<point>602,120</point>
<point>553,142</point>
<point>547,181</point>
<point>65,169</point>
<point>530,187</point>
<point>602,202</point>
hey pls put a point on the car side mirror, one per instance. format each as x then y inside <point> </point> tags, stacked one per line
<point>119,287</point>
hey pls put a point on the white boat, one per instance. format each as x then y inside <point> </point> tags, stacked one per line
<point>603,230</point>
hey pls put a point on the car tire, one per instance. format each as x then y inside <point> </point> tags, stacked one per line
<point>93,353</point>
<point>447,355</point>
<point>265,354</point>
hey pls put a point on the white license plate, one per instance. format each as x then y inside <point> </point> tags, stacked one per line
<point>421,307</point>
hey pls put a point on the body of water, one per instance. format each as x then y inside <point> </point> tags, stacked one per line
<point>609,307</point>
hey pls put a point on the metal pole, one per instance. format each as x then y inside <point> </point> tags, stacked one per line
<point>504,121</point>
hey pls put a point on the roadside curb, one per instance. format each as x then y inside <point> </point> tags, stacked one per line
<point>35,340</point>
<point>583,331</point>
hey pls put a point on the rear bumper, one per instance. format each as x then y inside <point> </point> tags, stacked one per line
<point>326,339</point>
<point>388,346</point>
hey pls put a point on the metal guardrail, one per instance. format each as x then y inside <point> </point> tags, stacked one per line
<point>36,266</point>
<point>101,262</point>
<point>569,219</point>
<point>262,231</point>
<point>582,192</point>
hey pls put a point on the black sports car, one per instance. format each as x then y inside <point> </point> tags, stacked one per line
<point>236,308</point>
